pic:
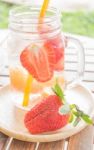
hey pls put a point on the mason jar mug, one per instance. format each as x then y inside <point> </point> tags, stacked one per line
<point>36,51</point>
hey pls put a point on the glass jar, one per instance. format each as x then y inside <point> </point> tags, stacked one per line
<point>36,48</point>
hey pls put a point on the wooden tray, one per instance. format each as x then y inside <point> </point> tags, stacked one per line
<point>11,126</point>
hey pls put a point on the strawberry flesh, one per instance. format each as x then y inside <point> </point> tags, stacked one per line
<point>34,59</point>
<point>56,47</point>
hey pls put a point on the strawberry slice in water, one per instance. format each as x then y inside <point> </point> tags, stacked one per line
<point>34,59</point>
<point>59,65</point>
<point>44,28</point>
<point>56,47</point>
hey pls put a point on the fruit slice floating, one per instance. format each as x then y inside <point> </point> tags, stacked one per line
<point>43,29</point>
<point>56,47</point>
<point>59,65</point>
<point>18,78</point>
<point>35,60</point>
<point>45,116</point>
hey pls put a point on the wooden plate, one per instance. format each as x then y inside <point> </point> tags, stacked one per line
<point>11,126</point>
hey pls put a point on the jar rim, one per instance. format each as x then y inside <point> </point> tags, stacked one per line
<point>15,14</point>
<point>24,20</point>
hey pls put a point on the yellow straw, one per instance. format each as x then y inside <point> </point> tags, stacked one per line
<point>44,8</point>
<point>27,90</point>
<point>30,79</point>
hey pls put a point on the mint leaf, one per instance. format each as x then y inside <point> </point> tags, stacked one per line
<point>65,109</point>
<point>87,119</point>
<point>75,113</point>
<point>73,106</point>
<point>58,91</point>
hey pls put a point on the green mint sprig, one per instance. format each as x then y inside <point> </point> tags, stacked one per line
<point>76,115</point>
<point>58,91</point>
<point>80,115</point>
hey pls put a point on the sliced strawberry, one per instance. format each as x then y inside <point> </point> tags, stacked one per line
<point>51,56</point>
<point>56,47</point>
<point>34,59</point>
<point>44,28</point>
<point>60,65</point>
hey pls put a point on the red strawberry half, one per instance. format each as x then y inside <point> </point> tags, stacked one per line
<point>35,60</point>
<point>45,116</point>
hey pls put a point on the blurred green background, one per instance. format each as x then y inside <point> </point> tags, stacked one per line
<point>78,22</point>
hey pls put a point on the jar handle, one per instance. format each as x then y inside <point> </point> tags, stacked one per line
<point>80,62</point>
